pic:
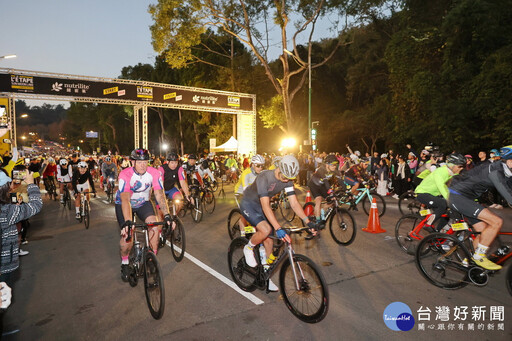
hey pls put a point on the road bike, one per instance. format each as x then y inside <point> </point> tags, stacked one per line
<point>408,204</point>
<point>281,201</point>
<point>366,194</point>
<point>111,184</point>
<point>301,283</point>
<point>51,188</point>
<point>85,209</point>
<point>66,197</point>
<point>144,263</point>
<point>208,183</point>
<point>444,260</point>
<point>195,207</point>
<point>207,199</point>
<point>175,237</point>
<point>342,224</point>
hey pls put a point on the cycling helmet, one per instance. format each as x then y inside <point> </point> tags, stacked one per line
<point>331,160</point>
<point>82,164</point>
<point>192,157</point>
<point>140,154</point>
<point>357,153</point>
<point>204,164</point>
<point>276,160</point>
<point>51,160</point>
<point>506,152</point>
<point>456,159</point>
<point>63,162</point>
<point>258,160</point>
<point>172,156</point>
<point>467,156</point>
<point>108,159</point>
<point>289,166</point>
<point>496,152</point>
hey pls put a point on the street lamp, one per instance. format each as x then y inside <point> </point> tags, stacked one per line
<point>24,116</point>
<point>8,56</point>
<point>164,147</point>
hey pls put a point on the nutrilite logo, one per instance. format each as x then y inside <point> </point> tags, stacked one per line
<point>57,86</point>
<point>204,99</point>
<point>76,88</point>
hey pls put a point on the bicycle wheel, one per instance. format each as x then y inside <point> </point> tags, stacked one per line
<point>69,201</point>
<point>243,275</point>
<point>439,258</point>
<point>178,241</point>
<point>310,301</point>
<point>381,204</point>
<point>342,226</point>
<point>197,211</point>
<point>508,280</point>
<point>408,204</point>
<point>286,209</point>
<point>233,223</point>
<point>403,227</point>
<point>86,214</point>
<point>209,201</point>
<point>214,186</point>
<point>154,286</point>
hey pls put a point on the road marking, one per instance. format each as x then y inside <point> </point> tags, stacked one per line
<point>106,202</point>
<point>220,277</point>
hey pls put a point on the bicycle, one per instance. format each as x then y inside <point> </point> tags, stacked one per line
<point>51,188</point>
<point>111,183</point>
<point>145,264</point>
<point>408,204</point>
<point>210,184</point>
<point>281,201</point>
<point>366,195</point>
<point>85,209</point>
<point>195,208</point>
<point>444,260</point>
<point>342,224</point>
<point>207,199</point>
<point>176,236</point>
<point>66,197</point>
<point>301,282</point>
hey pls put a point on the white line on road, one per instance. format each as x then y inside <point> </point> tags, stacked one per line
<point>220,277</point>
<point>106,202</point>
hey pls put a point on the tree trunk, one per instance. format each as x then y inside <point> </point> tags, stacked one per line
<point>113,127</point>
<point>181,134</point>
<point>161,115</point>
<point>197,136</point>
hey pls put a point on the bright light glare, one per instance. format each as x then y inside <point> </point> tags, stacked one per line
<point>8,56</point>
<point>288,142</point>
<point>165,146</point>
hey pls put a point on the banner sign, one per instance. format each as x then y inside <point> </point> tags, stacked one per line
<point>91,134</point>
<point>153,93</point>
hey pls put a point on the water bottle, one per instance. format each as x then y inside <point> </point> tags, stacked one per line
<point>263,255</point>
<point>137,251</point>
<point>322,214</point>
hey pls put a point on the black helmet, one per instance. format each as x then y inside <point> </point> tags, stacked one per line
<point>192,157</point>
<point>172,156</point>
<point>331,160</point>
<point>456,159</point>
<point>140,154</point>
<point>204,164</point>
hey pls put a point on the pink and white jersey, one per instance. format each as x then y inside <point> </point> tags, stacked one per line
<point>138,185</point>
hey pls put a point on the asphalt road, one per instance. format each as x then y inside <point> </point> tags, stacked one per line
<point>69,287</point>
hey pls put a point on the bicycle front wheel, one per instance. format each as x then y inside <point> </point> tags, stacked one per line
<point>243,275</point>
<point>86,214</point>
<point>441,258</point>
<point>408,204</point>
<point>209,201</point>
<point>508,280</point>
<point>178,241</point>
<point>342,226</point>
<point>381,204</point>
<point>286,209</point>
<point>310,301</point>
<point>403,228</point>
<point>69,201</point>
<point>233,223</point>
<point>154,286</point>
<point>197,211</point>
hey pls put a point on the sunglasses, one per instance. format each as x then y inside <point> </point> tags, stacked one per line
<point>258,166</point>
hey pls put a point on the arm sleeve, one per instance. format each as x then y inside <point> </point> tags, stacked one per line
<point>24,211</point>
<point>500,182</point>
<point>74,180</point>
<point>91,181</point>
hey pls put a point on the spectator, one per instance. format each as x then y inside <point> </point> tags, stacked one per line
<point>382,173</point>
<point>402,176</point>
<point>469,162</point>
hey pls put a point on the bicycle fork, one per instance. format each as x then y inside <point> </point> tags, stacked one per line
<point>294,269</point>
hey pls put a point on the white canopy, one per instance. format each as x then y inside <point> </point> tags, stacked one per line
<point>230,146</point>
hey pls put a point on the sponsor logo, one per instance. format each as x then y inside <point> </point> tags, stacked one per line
<point>169,96</point>
<point>110,90</point>
<point>70,87</point>
<point>233,101</point>
<point>25,83</point>
<point>204,99</point>
<point>57,86</point>
<point>398,317</point>
<point>179,98</point>
<point>145,92</point>
<point>121,92</point>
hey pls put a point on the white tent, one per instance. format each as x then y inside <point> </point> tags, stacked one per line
<point>230,146</point>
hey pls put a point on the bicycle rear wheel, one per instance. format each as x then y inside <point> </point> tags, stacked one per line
<point>69,200</point>
<point>408,204</point>
<point>439,258</point>
<point>310,301</point>
<point>381,204</point>
<point>178,241</point>
<point>286,209</point>
<point>197,211</point>
<point>243,275</point>
<point>154,286</point>
<point>508,280</point>
<point>209,201</point>
<point>403,227</point>
<point>233,223</point>
<point>342,226</point>
<point>86,211</point>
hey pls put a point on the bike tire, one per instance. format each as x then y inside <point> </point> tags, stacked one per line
<point>178,241</point>
<point>69,201</point>
<point>209,201</point>
<point>233,219</point>
<point>381,204</point>
<point>197,211</point>
<point>408,204</point>
<point>154,286</point>
<point>214,186</point>
<point>243,275</point>
<point>342,226</point>
<point>309,303</point>
<point>403,227</point>
<point>86,216</point>
<point>286,210</point>
<point>433,262</point>
<point>508,280</point>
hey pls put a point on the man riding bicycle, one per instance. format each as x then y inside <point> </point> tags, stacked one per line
<point>82,182</point>
<point>255,207</point>
<point>471,186</point>
<point>433,191</point>
<point>356,175</point>
<point>64,177</point>
<point>174,178</point>
<point>135,185</point>
<point>108,170</point>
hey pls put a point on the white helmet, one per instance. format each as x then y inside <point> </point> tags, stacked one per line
<point>289,166</point>
<point>358,153</point>
<point>63,162</point>
<point>51,160</point>
<point>258,159</point>
<point>82,164</point>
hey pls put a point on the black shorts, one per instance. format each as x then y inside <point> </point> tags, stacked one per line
<point>317,190</point>
<point>142,212</point>
<point>468,207</point>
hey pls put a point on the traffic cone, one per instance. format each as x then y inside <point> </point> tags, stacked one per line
<point>309,209</point>
<point>373,219</point>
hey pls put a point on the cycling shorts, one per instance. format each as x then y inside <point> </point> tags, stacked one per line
<point>467,207</point>
<point>350,181</point>
<point>252,212</point>
<point>83,187</point>
<point>144,211</point>
<point>64,179</point>
<point>317,190</point>
<point>172,193</point>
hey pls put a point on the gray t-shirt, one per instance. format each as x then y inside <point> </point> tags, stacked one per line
<point>267,185</point>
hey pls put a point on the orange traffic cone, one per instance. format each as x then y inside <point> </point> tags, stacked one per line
<point>309,208</point>
<point>373,219</point>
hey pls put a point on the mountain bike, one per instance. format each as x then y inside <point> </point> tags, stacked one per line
<point>85,209</point>
<point>111,184</point>
<point>366,193</point>
<point>145,264</point>
<point>408,204</point>
<point>176,236</point>
<point>444,260</point>
<point>301,282</point>
<point>342,224</point>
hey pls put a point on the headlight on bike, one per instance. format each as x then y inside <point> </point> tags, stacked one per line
<point>233,169</point>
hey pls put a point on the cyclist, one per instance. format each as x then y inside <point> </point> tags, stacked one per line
<point>82,182</point>
<point>49,173</point>
<point>320,186</point>
<point>174,178</point>
<point>132,197</point>
<point>190,169</point>
<point>249,175</point>
<point>108,169</point>
<point>204,170</point>
<point>64,175</point>
<point>433,191</point>
<point>355,175</point>
<point>471,186</point>
<point>74,161</point>
<point>255,207</point>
